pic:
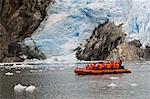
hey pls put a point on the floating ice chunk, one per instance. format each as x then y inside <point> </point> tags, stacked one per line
<point>113,78</point>
<point>19,88</point>
<point>61,68</point>
<point>31,89</point>
<point>131,91</point>
<point>112,85</point>
<point>18,72</point>
<point>9,74</point>
<point>52,68</point>
<point>40,70</point>
<point>133,85</point>
<point>32,71</point>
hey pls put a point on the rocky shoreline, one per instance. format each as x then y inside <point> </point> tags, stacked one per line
<point>18,20</point>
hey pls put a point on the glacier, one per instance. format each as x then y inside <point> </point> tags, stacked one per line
<point>70,22</point>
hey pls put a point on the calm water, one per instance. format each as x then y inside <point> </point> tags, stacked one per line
<point>64,84</point>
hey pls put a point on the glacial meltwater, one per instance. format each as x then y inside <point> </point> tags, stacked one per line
<point>58,81</point>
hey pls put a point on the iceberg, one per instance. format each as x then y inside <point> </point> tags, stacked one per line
<point>19,88</point>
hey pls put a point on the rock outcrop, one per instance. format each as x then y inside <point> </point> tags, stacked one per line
<point>130,51</point>
<point>147,53</point>
<point>103,40</point>
<point>18,20</point>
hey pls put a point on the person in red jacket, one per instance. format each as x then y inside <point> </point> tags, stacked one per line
<point>113,64</point>
<point>93,66</point>
<point>100,66</point>
<point>108,65</point>
<point>88,67</point>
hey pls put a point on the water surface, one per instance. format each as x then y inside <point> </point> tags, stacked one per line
<point>60,82</point>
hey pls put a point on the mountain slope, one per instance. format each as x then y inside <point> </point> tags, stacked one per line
<point>18,20</point>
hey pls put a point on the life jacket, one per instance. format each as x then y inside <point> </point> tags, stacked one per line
<point>108,65</point>
<point>97,67</point>
<point>100,66</point>
<point>94,67</point>
<point>88,67</point>
<point>113,64</point>
<point>117,64</point>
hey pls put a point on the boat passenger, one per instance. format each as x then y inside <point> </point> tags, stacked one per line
<point>113,64</point>
<point>108,65</point>
<point>117,64</point>
<point>97,67</point>
<point>94,67</point>
<point>88,67</point>
<point>120,62</point>
<point>100,66</point>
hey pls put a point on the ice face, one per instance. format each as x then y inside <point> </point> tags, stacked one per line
<point>136,15</point>
<point>71,22</point>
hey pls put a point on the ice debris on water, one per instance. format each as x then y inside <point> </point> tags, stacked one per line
<point>131,91</point>
<point>134,85</point>
<point>18,72</point>
<point>112,85</point>
<point>31,89</point>
<point>52,68</point>
<point>9,74</point>
<point>33,71</point>
<point>61,68</point>
<point>19,88</point>
<point>114,78</point>
<point>40,70</point>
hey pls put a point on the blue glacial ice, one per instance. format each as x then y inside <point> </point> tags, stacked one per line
<point>71,22</point>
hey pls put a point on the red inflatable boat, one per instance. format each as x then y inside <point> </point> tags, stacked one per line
<point>83,71</point>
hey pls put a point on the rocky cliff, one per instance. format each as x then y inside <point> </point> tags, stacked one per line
<point>18,20</point>
<point>103,40</point>
<point>130,51</point>
<point>107,42</point>
<point>147,53</point>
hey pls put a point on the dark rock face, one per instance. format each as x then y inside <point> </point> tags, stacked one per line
<point>103,40</point>
<point>136,43</point>
<point>131,51</point>
<point>18,20</point>
<point>147,53</point>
